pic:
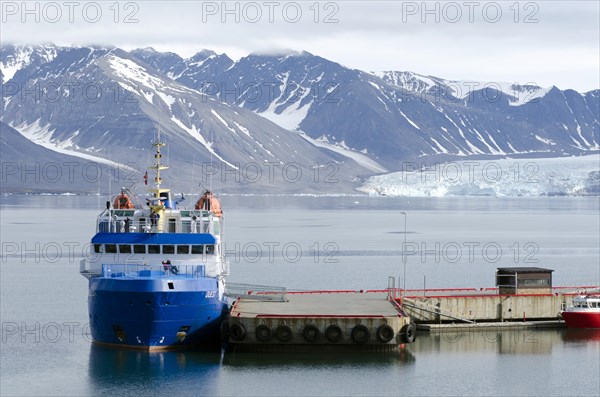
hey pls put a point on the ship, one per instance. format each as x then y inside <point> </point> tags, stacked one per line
<point>156,272</point>
<point>584,313</point>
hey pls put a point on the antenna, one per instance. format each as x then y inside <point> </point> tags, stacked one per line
<point>192,179</point>
<point>168,153</point>
<point>211,158</point>
<point>109,178</point>
<point>98,187</point>
<point>404,256</point>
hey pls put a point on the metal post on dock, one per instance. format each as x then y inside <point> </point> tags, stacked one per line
<point>404,257</point>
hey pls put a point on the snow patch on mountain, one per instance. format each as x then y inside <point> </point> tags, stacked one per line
<point>131,71</point>
<point>195,133</point>
<point>290,118</point>
<point>410,121</point>
<point>545,140</point>
<point>168,99</point>
<point>23,57</point>
<point>42,136</point>
<point>222,121</point>
<point>517,94</point>
<point>359,158</point>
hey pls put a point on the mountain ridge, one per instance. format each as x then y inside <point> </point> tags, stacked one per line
<point>249,110</point>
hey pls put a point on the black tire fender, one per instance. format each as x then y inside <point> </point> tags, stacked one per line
<point>311,333</point>
<point>408,333</point>
<point>284,333</point>
<point>385,333</point>
<point>360,334</point>
<point>334,333</point>
<point>263,333</point>
<point>237,332</point>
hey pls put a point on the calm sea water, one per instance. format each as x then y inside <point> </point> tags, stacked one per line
<point>309,243</point>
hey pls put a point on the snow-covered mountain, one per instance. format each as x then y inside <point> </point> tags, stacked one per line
<point>394,117</point>
<point>455,90</point>
<point>15,58</point>
<point>33,168</point>
<point>100,103</point>
<point>286,108</point>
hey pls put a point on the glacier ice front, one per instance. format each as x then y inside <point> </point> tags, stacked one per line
<point>564,176</point>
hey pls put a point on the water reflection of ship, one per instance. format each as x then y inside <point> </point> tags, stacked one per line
<point>581,335</point>
<point>332,355</point>
<point>111,368</point>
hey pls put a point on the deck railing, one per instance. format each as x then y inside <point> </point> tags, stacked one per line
<point>134,270</point>
<point>106,225</point>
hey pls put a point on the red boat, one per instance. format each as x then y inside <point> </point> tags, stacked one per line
<point>585,312</point>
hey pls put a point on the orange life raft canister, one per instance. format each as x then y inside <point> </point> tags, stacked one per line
<point>210,203</point>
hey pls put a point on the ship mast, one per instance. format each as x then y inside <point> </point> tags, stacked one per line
<point>157,206</point>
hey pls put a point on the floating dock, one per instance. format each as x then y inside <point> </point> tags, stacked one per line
<point>450,309</point>
<point>386,318</point>
<point>369,319</point>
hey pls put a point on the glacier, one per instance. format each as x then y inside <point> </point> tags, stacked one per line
<point>509,177</point>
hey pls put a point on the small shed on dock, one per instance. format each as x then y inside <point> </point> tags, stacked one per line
<point>523,280</point>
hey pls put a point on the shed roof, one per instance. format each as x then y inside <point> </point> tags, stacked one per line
<point>512,270</point>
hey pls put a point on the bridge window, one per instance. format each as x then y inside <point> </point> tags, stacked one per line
<point>154,249</point>
<point>110,248</point>
<point>197,249</point>
<point>124,249</point>
<point>139,249</point>
<point>97,248</point>
<point>183,249</point>
<point>168,249</point>
<point>210,249</point>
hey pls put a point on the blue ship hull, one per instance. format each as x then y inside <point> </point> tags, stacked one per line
<point>155,312</point>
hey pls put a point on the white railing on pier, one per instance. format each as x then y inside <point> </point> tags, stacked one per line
<point>256,292</point>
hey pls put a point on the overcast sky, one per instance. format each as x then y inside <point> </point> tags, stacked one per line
<point>542,42</point>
